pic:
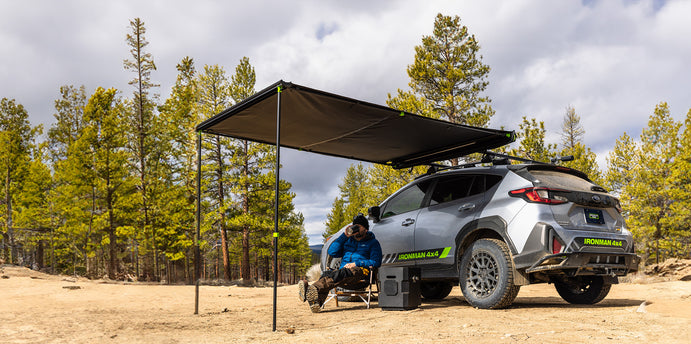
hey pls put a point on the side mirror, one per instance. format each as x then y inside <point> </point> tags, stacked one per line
<point>374,213</point>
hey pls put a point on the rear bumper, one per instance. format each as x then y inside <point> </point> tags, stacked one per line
<point>587,263</point>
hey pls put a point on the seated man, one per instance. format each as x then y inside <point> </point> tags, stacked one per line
<point>360,251</point>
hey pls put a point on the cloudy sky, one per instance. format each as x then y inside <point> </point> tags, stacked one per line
<point>611,60</point>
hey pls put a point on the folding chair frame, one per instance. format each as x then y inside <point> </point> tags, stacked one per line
<point>335,293</point>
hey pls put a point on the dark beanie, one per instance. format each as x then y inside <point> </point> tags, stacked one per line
<point>361,220</point>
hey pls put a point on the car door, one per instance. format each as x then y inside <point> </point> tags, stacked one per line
<point>396,227</point>
<point>455,201</point>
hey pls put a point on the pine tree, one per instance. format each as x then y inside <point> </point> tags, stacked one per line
<point>336,218</point>
<point>532,141</point>
<point>104,136</point>
<point>66,202</point>
<point>16,136</point>
<point>73,196</point>
<point>448,73</point>
<point>251,161</point>
<point>68,121</point>
<point>74,204</point>
<point>34,204</point>
<point>584,159</point>
<point>680,209</point>
<point>144,142</point>
<point>571,129</point>
<point>178,119</point>
<point>621,164</point>
<point>214,97</point>
<point>294,247</point>
<point>648,198</point>
<point>353,198</point>
<point>447,78</point>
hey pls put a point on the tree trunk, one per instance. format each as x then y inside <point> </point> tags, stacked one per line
<point>221,204</point>
<point>90,228</point>
<point>256,265</point>
<point>188,275</point>
<point>245,210</point>
<point>10,229</point>
<point>112,269</point>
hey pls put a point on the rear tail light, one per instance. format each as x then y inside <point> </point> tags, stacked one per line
<point>556,245</point>
<point>539,195</point>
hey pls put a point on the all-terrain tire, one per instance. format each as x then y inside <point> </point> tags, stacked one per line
<point>586,290</point>
<point>435,290</point>
<point>486,276</point>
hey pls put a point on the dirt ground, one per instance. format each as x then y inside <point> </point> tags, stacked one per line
<point>40,308</point>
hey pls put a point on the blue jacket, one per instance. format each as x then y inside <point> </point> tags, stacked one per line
<point>364,253</point>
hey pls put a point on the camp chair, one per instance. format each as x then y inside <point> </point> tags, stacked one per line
<point>362,289</point>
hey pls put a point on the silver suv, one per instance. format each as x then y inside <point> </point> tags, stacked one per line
<point>495,228</point>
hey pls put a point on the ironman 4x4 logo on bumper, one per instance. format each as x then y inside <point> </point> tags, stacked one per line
<point>602,242</point>
<point>437,253</point>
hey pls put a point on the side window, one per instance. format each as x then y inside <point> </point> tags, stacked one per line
<point>452,188</point>
<point>409,199</point>
<point>491,181</point>
<point>478,186</point>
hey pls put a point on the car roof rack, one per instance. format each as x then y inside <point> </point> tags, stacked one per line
<point>495,159</point>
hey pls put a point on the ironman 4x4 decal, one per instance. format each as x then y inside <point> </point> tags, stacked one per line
<point>601,242</point>
<point>437,253</point>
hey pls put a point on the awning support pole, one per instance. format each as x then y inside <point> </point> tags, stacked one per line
<point>197,256</point>
<point>278,179</point>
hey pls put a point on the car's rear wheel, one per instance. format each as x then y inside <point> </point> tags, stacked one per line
<point>435,290</point>
<point>486,275</point>
<point>585,290</point>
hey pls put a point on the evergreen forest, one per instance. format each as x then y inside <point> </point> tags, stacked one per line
<point>109,188</point>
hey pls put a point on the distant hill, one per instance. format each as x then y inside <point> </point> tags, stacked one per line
<point>316,253</point>
<point>316,249</point>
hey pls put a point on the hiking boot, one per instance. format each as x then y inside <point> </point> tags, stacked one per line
<point>302,290</point>
<point>312,297</point>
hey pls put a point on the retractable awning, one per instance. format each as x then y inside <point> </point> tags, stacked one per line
<point>320,122</point>
<point>289,115</point>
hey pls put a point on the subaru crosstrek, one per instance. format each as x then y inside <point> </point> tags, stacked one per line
<point>494,228</point>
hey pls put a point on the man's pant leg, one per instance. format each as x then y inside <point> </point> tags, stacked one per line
<point>337,278</point>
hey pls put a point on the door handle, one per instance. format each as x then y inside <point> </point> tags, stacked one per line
<point>408,222</point>
<point>467,206</point>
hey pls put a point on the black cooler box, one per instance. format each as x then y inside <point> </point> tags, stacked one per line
<point>400,288</point>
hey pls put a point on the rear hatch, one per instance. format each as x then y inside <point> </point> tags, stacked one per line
<point>577,203</point>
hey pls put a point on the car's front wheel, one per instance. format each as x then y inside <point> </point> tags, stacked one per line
<point>486,276</point>
<point>586,290</point>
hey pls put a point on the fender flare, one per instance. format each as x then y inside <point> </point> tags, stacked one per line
<point>492,227</point>
<point>494,224</point>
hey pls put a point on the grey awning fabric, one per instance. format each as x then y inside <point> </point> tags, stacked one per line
<point>325,123</point>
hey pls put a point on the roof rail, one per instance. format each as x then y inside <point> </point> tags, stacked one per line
<point>488,155</point>
<point>489,158</point>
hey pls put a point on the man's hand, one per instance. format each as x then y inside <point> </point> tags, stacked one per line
<point>347,232</point>
<point>350,265</point>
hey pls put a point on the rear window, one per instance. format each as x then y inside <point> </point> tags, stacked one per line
<point>561,180</point>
